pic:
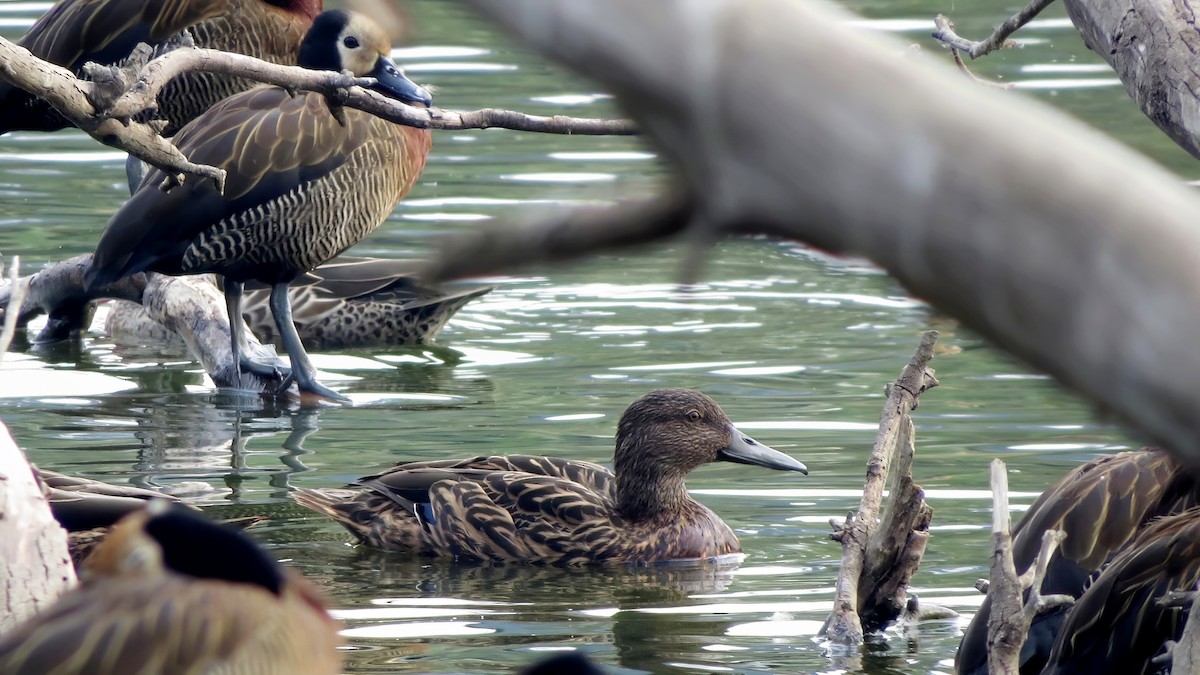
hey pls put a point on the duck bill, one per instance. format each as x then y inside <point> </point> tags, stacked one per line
<point>745,450</point>
<point>393,83</point>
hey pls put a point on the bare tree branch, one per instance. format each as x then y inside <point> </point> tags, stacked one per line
<point>348,90</point>
<point>879,556</point>
<point>17,288</point>
<point>75,98</point>
<point>190,306</point>
<point>110,117</point>
<point>997,40</point>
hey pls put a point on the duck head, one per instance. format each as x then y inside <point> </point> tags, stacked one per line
<point>341,40</point>
<point>665,434</point>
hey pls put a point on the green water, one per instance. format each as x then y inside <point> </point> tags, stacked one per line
<point>795,345</point>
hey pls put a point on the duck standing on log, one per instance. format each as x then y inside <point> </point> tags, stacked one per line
<point>74,32</point>
<point>306,180</point>
<point>523,508</point>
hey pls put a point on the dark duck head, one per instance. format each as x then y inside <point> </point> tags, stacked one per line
<point>666,434</point>
<point>346,41</point>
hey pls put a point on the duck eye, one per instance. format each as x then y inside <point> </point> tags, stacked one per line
<point>694,415</point>
<point>351,42</point>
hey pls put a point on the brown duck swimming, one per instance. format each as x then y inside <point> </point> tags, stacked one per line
<point>171,593</point>
<point>558,511</point>
<point>74,32</point>
<point>302,186</point>
<point>1102,506</point>
<point>1117,625</point>
<point>351,303</point>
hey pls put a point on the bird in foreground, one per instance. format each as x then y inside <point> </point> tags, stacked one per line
<point>171,593</point>
<point>1101,506</point>
<point>559,511</point>
<point>74,32</point>
<point>306,179</point>
<point>1118,625</point>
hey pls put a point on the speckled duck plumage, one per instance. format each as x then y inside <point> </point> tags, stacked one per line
<point>87,509</point>
<point>558,511</point>
<point>355,303</point>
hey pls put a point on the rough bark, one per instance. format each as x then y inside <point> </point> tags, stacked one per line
<point>879,556</point>
<point>1059,244</point>
<point>1151,44</point>
<point>35,567</point>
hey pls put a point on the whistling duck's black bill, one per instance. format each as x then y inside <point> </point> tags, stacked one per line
<point>745,450</point>
<point>396,84</point>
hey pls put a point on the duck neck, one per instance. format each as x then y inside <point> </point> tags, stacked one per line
<point>308,8</point>
<point>648,490</point>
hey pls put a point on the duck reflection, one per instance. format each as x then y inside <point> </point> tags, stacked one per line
<point>530,607</point>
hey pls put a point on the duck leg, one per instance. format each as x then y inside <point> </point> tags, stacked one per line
<point>302,368</point>
<point>237,331</point>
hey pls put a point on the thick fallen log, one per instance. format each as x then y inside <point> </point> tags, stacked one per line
<point>1060,245</point>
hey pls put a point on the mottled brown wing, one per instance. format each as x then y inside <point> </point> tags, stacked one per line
<point>1101,505</point>
<point>173,624</point>
<point>1117,625</point>
<point>76,31</point>
<point>270,143</point>
<point>469,524</point>
<point>594,477</point>
<point>512,516</point>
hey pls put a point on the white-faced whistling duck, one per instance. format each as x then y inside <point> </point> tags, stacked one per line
<point>303,185</point>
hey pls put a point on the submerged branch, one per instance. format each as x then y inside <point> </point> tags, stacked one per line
<point>879,556</point>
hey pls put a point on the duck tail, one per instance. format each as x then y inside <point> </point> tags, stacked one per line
<point>337,504</point>
<point>374,519</point>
